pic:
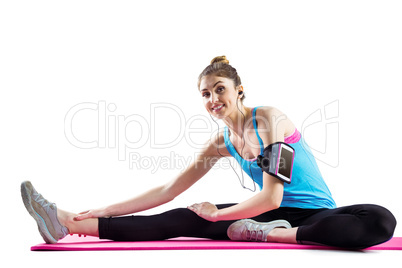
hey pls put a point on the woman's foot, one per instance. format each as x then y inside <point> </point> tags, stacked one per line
<point>250,230</point>
<point>44,213</point>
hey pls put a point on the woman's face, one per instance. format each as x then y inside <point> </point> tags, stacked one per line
<point>219,95</point>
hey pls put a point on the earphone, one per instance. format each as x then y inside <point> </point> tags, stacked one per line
<point>241,153</point>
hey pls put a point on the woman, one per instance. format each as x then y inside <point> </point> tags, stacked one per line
<point>300,212</point>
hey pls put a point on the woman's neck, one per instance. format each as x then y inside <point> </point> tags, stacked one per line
<point>236,121</point>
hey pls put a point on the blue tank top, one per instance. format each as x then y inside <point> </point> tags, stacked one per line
<point>307,189</point>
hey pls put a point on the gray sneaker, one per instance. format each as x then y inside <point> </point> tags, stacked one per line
<point>44,213</point>
<point>250,230</point>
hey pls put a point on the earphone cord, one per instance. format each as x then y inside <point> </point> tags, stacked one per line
<point>244,143</point>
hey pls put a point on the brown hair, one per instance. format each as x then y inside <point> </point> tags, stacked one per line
<point>220,67</point>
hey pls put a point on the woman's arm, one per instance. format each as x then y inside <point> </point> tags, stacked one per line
<point>164,193</point>
<point>269,198</point>
<point>272,126</point>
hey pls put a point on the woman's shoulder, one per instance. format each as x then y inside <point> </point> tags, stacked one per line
<point>268,112</point>
<point>271,118</point>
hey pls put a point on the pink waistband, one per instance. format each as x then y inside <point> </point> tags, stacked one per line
<point>295,137</point>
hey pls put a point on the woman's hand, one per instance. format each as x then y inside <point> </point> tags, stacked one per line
<point>93,213</point>
<point>205,210</point>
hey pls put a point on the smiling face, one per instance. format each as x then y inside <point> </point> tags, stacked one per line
<point>219,95</point>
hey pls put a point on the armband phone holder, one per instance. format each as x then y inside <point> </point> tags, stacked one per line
<point>278,161</point>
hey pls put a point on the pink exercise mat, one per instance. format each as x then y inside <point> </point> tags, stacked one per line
<point>76,243</point>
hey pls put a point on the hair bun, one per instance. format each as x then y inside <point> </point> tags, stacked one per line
<point>220,59</point>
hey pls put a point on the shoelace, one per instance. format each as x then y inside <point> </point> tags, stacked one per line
<point>255,235</point>
<point>42,201</point>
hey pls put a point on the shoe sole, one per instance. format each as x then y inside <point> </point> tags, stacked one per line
<point>26,197</point>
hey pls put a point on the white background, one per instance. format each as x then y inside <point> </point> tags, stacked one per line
<point>299,56</point>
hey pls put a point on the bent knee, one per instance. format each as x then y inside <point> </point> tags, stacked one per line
<point>380,224</point>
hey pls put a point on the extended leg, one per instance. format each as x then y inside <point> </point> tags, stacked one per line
<point>54,223</point>
<point>170,224</point>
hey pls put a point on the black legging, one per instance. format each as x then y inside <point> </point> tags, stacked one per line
<point>354,227</point>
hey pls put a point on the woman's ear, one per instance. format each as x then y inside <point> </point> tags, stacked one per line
<point>240,91</point>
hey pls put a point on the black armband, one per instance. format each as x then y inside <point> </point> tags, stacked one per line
<point>278,161</point>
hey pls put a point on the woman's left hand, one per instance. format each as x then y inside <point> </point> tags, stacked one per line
<point>205,210</point>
